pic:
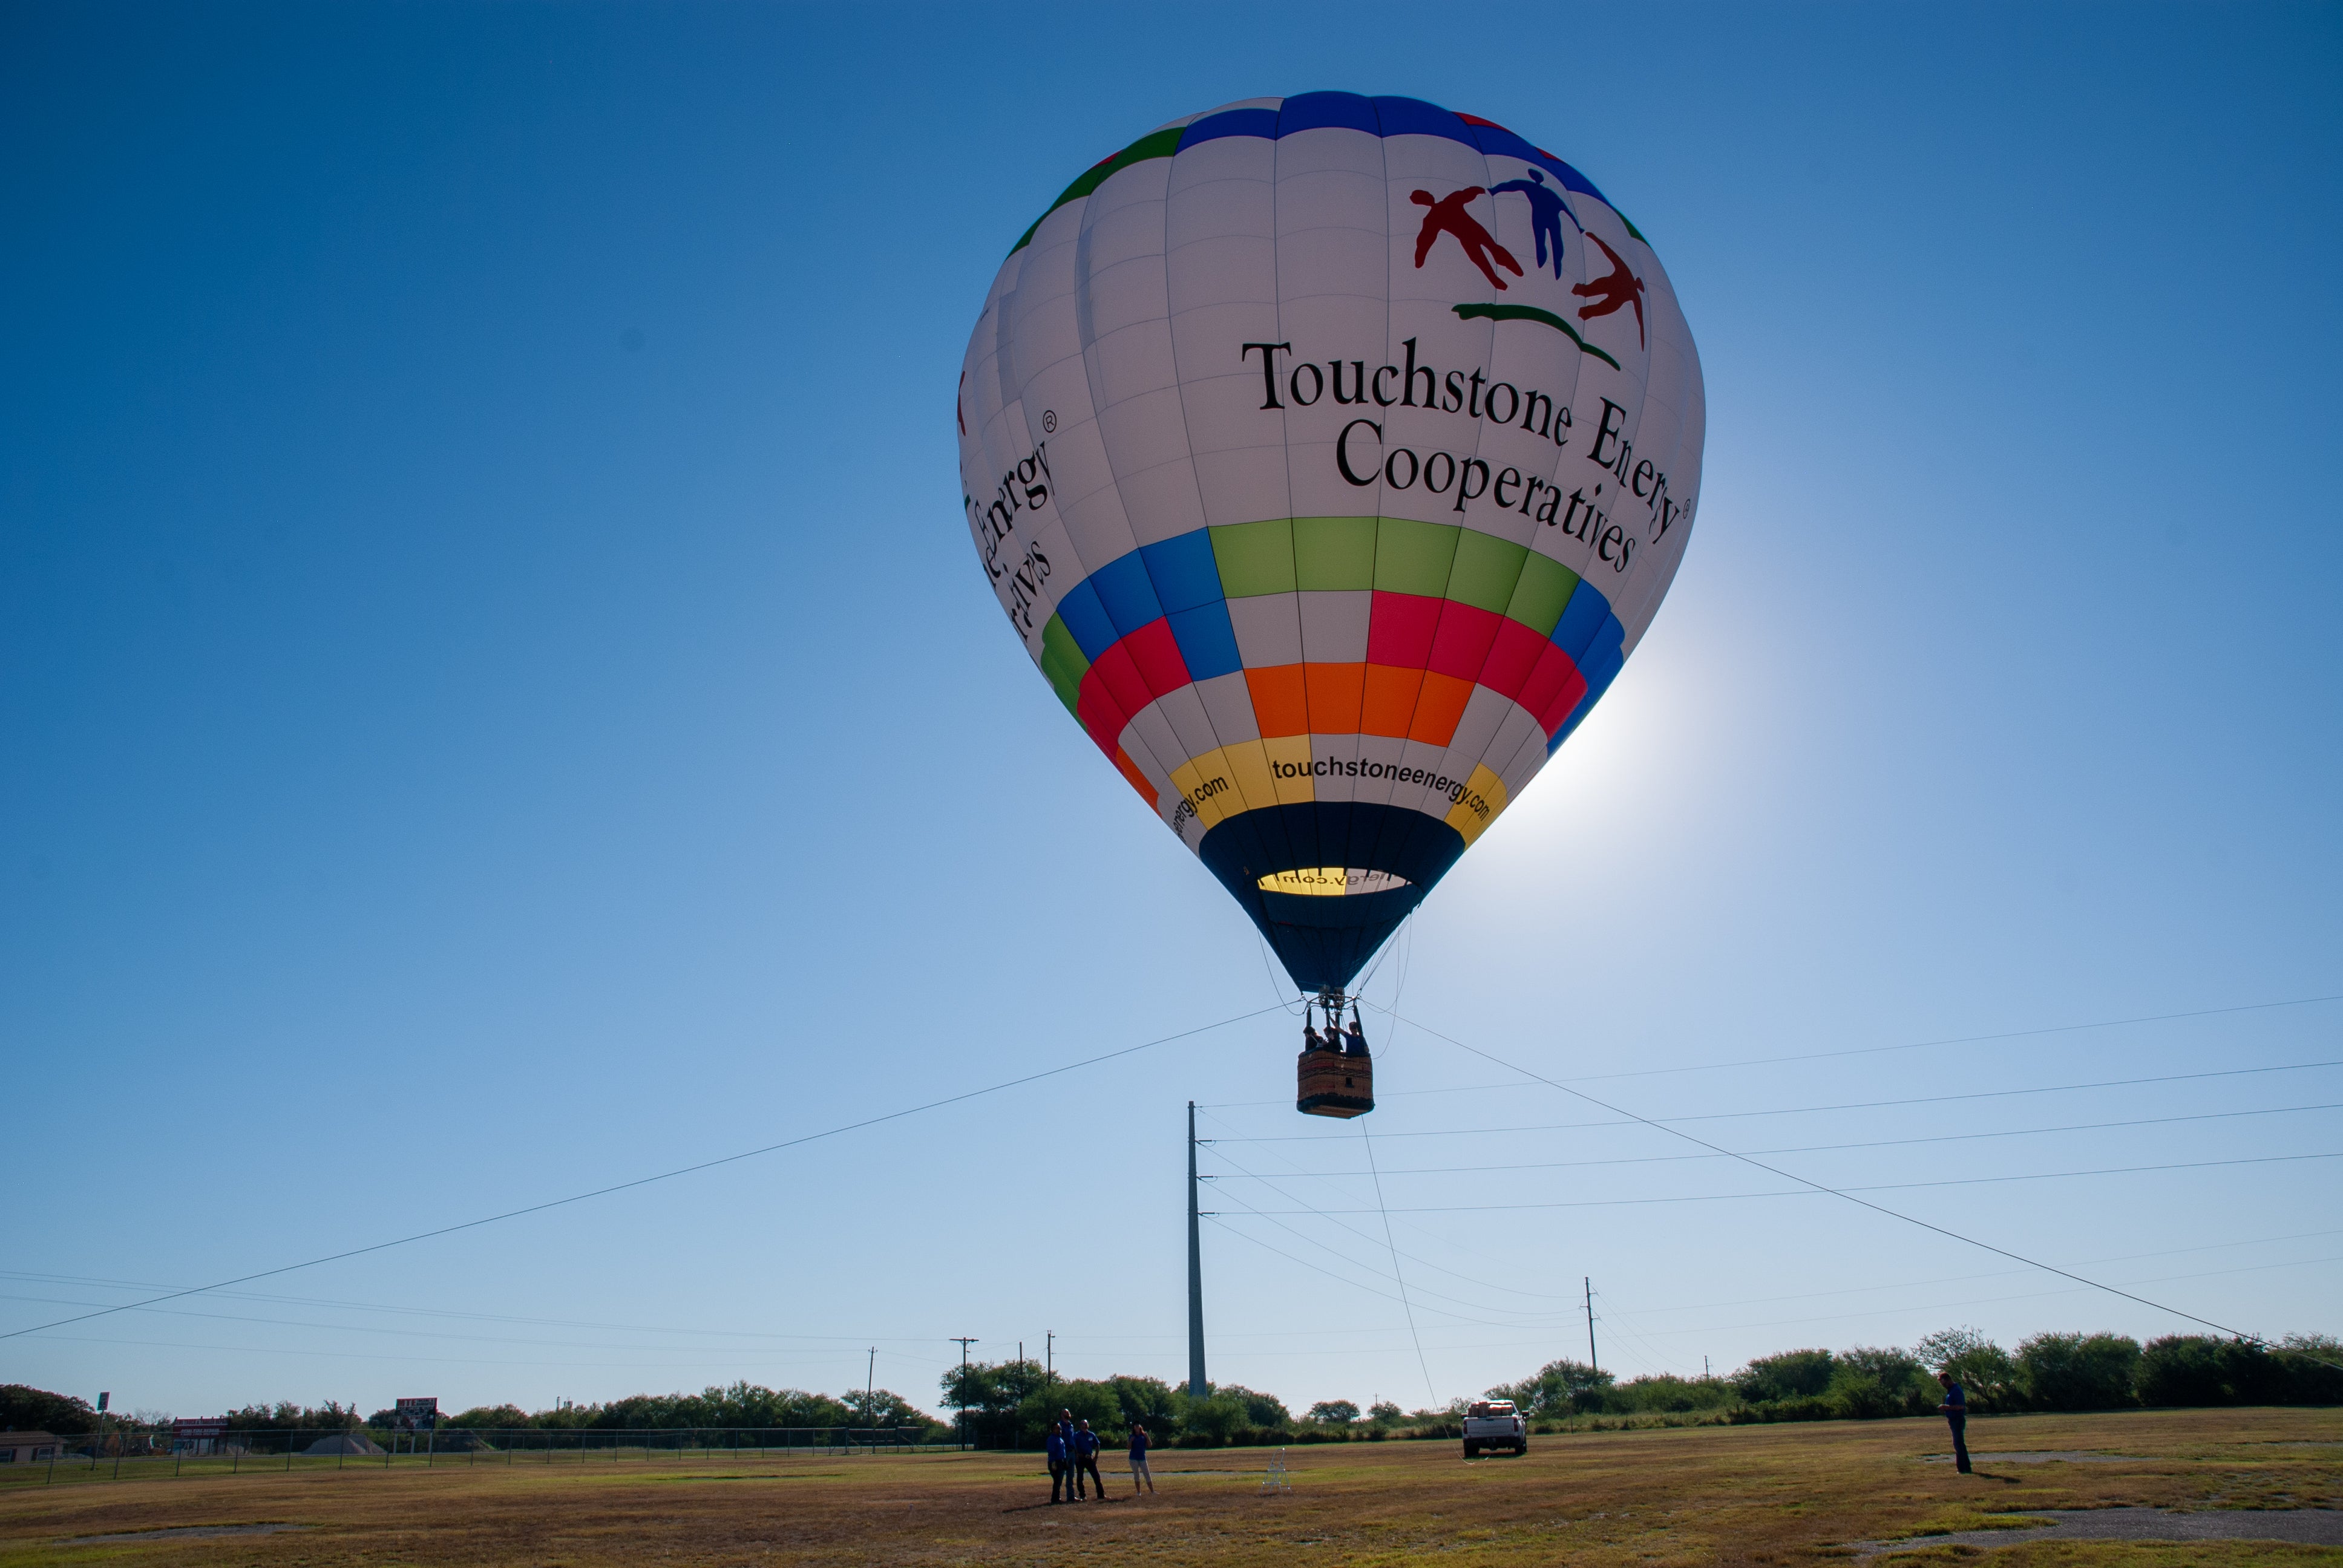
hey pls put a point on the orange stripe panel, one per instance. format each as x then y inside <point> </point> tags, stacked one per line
<point>1390,702</point>
<point>1280,703</point>
<point>1336,692</point>
<point>1439,707</point>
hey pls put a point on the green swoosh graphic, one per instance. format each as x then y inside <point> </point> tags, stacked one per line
<point>1532,313</point>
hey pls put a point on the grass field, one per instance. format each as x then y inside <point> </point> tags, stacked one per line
<point>1757,1495</point>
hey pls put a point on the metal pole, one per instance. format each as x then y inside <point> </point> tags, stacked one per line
<point>1592,1364</point>
<point>1196,1385</point>
<point>1050,1359</point>
<point>964,1340</point>
<point>869,1386</point>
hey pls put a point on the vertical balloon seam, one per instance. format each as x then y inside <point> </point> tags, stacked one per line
<point>1479,440</point>
<point>1180,392</point>
<point>1408,827</point>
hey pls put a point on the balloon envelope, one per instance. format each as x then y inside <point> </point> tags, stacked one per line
<point>1329,455</point>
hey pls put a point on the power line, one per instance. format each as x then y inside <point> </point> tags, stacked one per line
<point>1808,1188</point>
<point>1367,1140</point>
<point>1664,1122</point>
<point>647,1181</point>
<point>1290,1198</point>
<point>1835,1192</point>
<point>1856,1051</point>
<point>1816,1147</point>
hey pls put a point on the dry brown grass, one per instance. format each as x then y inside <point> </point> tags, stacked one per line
<point>1772,1494</point>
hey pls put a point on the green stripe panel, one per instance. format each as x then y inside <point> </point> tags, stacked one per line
<point>1485,571</point>
<point>1254,558</point>
<point>1415,557</point>
<point>1332,554</point>
<point>1439,560</point>
<point>1062,662</point>
<point>1160,145</point>
<point>1544,588</point>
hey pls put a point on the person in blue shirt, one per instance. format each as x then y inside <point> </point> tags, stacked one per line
<point>1957,1415</point>
<point>1086,1453</point>
<point>1060,1470</point>
<point>1139,1472</point>
<point>1073,1471</point>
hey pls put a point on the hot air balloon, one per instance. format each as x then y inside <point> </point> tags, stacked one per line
<point>1329,455</point>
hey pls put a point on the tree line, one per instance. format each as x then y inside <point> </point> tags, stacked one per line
<point>1011,1403</point>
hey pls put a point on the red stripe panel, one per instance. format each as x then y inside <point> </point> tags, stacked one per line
<point>1155,656</point>
<point>1461,645</point>
<point>1102,716</point>
<point>1555,677</point>
<point>1122,679</point>
<point>1132,673</point>
<point>1511,658</point>
<point>1399,629</point>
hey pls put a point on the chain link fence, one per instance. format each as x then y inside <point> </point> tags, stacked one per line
<point>125,1456</point>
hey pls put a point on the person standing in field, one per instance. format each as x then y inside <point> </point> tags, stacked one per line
<point>1139,1472</point>
<point>1957,1415</point>
<point>1061,1477</point>
<point>1073,1471</point>
<point>1086,1453</point>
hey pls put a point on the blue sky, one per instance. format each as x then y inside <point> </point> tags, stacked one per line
<point>495,698</point>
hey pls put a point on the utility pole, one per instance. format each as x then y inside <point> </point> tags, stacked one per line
<point>869,1386</point>
<point>1050,1358</point>
<point>964,1340</point>
<point>1196,1385</point>
<point>1592,1364</point>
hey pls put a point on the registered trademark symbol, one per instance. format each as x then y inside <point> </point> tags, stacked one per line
<point>1049,421</point>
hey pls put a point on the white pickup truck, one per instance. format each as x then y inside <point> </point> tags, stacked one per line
<point>1495,1423</point>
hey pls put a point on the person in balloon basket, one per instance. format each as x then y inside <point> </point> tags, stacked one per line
<point>1355,1042</point>
<point>1140,1473</point>
<point>1956,1410</point>
<point>1061,1468</point>
<point>1086,1453</point>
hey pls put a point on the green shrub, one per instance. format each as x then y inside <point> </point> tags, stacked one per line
<point>1793,1374</point>
<point>2079,1371</point>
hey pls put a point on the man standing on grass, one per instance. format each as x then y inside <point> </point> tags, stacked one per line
<point>1074,1469</point>
<point>1061,1470</point>
<point>1086,1453</point>
<point>1956,1409</point>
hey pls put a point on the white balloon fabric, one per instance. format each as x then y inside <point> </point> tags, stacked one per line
<point>1329,455</point>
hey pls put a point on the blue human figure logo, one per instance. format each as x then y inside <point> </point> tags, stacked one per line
<point>1546,210</point>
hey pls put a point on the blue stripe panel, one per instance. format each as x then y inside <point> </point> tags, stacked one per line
<point>1414,118</point>
<point>1261,123</point>
<point>1127,595</point>
<point>1581,619</point>
<point>1092,627</point>
<point>1598,681</point>
<point>1208,643</point>
<point>1605,645</point>
<point>1320,111</point>
<point>1379,117</point>
<point>1183,570</point>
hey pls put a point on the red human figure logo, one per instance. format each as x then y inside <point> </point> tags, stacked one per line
<point>1617,287</point>
<point>1448,216</point>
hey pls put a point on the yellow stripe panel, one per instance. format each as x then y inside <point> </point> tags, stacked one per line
<point>1237,778</point>
<point>1484,796</point>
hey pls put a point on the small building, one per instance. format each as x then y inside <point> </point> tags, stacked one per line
<point>28,1447</point>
